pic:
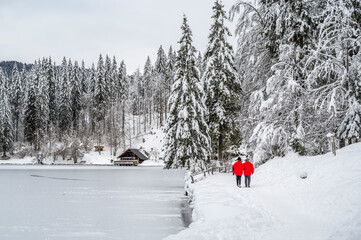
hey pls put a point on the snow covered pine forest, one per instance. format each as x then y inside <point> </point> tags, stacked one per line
<point>294,77</point>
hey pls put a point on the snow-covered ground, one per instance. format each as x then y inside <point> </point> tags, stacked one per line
<point>280,205</point>
<point>151,142</point>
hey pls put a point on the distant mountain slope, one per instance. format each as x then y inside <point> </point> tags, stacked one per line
<point>8,66</point>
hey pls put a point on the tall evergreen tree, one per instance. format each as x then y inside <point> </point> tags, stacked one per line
<point>65,114</point>
<point>200,65</point>
<point>160,69</point>
<point>84,79</point>
<point>16,99</point>
<point>76,95</point>
<point>350,126</point>
<point>149,87</point>
<point>123,96</point>
<point>42,102</point>
<point>170,77</point>
<point>30,110</point>
<point>187,141</point>
<point>222,84</point>
<point>100,94</point>
<point>6,123</point>
<point>107,78</point>
<point>51,80</point>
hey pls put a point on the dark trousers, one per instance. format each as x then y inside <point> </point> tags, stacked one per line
<point>247,180</point>
<point>238,179</point>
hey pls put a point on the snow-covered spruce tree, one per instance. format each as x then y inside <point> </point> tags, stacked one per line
<point>91,90</point>
<point>149,88</point>
<point>113,113</point>
<point>255,56</point>
<point>200,64</point>
<point>187,142</point>
<point>222,84</point>
<point>30,109</point>
<point>114,80</point>
<point>100,94</point>
<point>140,98</point>
<point>160,69</point>
<point>274,42</point>
<point>99,102</point>
<point>76,95</point>
<point>328,67</point>
<point>123,86</point>
<point>170,68</point>
<point>350,126</point>
<point>64,100</point>
<point>169,78</point>
<point>42,103</point>
<point>6,122</point>
<point>16,99</point>
<point>84,79</point>
<point>107,78</point>
<point>51,80</point>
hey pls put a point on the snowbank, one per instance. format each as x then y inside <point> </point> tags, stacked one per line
<point>150,163</point>
<point>280,205</point>
<point>151,142</point>
<point>21,161</point>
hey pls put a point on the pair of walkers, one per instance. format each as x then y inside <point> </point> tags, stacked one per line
<point>245,169</point>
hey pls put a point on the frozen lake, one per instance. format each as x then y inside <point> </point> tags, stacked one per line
<point>60,203</point>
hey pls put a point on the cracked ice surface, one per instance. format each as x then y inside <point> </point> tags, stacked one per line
<point>44,202</point>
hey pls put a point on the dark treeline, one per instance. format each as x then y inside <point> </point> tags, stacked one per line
<point>8,66</point>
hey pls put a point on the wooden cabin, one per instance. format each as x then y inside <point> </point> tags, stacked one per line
<point>99,148</point>
<point>131,157</point>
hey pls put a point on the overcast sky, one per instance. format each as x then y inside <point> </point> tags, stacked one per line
<point>82,29</point>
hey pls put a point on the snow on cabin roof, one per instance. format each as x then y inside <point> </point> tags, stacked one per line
<point>137,152</point>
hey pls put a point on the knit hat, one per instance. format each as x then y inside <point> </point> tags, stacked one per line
<point>247,159</point>
<point>239,159</point>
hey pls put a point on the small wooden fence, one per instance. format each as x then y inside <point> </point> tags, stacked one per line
<point>211,170</point>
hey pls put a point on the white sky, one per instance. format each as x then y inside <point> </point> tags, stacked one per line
<point>82,29</point>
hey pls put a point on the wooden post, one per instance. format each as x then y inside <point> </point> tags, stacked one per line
<point>333,144</point>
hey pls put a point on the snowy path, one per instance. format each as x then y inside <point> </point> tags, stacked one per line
<point>280,205</point>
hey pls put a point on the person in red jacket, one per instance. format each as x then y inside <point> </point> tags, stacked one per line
<point>238,171</point>
<point>248,171</point>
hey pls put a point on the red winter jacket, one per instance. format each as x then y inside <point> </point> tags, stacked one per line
<point>238,168</point>
<point>248,168</point>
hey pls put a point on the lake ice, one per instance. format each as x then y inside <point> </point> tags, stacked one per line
<point>52,202</point>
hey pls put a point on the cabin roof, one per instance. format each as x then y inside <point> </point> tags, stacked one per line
<point>137,152</point>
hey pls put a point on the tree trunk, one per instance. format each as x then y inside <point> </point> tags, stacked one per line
<point>342,143</point>
<point>133,123</point>
<point>150,113</point>
<point>16,129</point>
<point>161,108</point>
<point>220,148</point>
<point>145,116</point>
<point>165,107</point>
<point>123,126</point>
